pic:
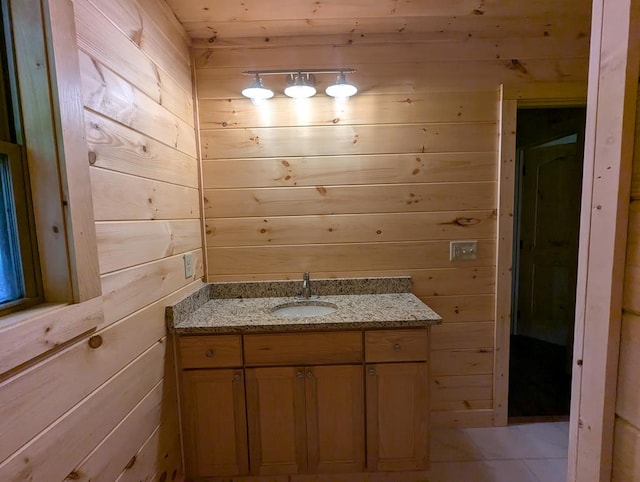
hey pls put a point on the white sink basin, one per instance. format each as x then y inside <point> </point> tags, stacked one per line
<point>304,309</point>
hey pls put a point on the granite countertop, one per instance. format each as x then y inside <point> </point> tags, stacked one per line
<point>235,308</point>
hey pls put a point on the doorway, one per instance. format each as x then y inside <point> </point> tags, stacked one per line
<point>550,145</point>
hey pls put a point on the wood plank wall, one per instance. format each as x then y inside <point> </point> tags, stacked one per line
<point>380,185</point>
<point>110,413</point>
<point>626,454</point>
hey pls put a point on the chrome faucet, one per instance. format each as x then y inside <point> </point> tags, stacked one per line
<point>306,286</point>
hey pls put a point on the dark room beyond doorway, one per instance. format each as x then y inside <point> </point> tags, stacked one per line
<point>550,144</point>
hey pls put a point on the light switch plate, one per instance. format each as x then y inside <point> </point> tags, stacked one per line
<point>463,250</point>
<point>188,265</point>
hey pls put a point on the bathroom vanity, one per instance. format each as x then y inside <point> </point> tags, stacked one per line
<point>285,394</point>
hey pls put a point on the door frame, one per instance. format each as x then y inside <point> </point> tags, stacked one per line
<point>609,139</point>
<point>574,95</point>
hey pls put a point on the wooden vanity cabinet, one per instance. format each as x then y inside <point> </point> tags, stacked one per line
<point>305,418</point>
<point>214,409</point>
<point>397,400</point>
<point>304,403</point>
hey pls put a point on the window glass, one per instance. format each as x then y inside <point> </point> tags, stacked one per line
<point>11,283</point>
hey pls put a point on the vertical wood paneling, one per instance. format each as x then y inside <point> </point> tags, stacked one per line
<point>88,413</point>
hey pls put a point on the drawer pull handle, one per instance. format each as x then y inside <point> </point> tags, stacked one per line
<point>397,347</point>
<point>236,377</point>
<point>299,374</point>
<point>208,353</point>
<point>372,372</point>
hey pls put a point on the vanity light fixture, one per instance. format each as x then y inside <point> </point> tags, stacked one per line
<point>301,84</point>
<point>341,89</point>
<point>256,91</point>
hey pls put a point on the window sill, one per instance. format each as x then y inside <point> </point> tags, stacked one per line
<point>32,332</point>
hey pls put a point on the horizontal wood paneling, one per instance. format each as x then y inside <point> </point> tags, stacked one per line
<point>463,308</point>
<point>355,190</point>
<point>125,291</point>
<point>119,197</point>
<point>468,361</point>
<point>105,402</point>
<point>255,10</point>
<point>45,458</point>
<point>382,109</point>
<point>283,57</point>
<point>380,185</point>
<point>465,392</point>
<point>359,169</point>
<point>110,95</point>
<point>171,54</point>
<point>631,301</point>
<point>116,147</point>
<point>396,198</point>
<point>388,29</point>
<point>628,399</point>
<point>435,285</point>
<point>113,454</point>
<point>349,228</point>
<point>37,397</point>
<point>341,140</point>
<point>462,418</point>
<point>427,76</point>
<point>146,241</point>
<point>338,257</point>
<point>462,335</point>
<point>103,41</point>
<point>157,455</point>
<point>626,446</point>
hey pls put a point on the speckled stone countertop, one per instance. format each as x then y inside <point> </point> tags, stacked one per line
<point>361,303</point>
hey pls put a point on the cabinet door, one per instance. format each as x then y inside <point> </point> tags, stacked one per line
<point>335,418</point>
<point>397,416</point>
<point>276,419</point>
<point>215,423</point>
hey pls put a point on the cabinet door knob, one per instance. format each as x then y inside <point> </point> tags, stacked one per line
<point>309,374</point>
<point>372,372</point>
<point>397,347</point>
<point>208,353</point>
<point>299,374</point>
<point>236,377</point>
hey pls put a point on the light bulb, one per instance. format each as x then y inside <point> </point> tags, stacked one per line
<point>341,89</point>
<point>256,91</point>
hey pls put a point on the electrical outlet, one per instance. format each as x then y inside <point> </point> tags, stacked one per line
<point>462,250</point>
<point>188,265</point>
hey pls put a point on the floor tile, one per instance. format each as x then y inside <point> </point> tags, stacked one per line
<point>481,471</point>
<point>548,470</point>
<point>451,444</point>
<point>536,441</point>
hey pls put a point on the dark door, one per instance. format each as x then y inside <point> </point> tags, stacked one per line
<point>548,242</point>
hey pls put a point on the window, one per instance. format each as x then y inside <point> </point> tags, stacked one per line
<point>18,251</point>
<point>45,187</point>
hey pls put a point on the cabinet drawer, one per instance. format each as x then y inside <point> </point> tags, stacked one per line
<point>303,348</point>
<point>395,345</point>
<point>206,351</point>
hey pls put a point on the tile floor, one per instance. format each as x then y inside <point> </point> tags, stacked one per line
<point>534,452</point>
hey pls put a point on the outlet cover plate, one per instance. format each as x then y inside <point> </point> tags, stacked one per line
<point>463,250</point>
<point>188,265</point>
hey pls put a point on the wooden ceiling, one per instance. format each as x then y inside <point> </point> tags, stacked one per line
<point>225,19</point>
